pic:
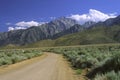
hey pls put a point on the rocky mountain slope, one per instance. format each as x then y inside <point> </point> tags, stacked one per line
<point>33,34</point>
<point>65,31</point>
<point>99,33</point>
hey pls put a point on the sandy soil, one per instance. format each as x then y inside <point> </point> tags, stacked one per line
<point>47,67</point>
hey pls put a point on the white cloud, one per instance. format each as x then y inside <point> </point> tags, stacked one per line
<point>15,28</point>
<point>93,15</point>
<point>24,25</point>
<point>52,18</point>
<point>10,28</point>
<point>8,23</point>
<point>27,24</point>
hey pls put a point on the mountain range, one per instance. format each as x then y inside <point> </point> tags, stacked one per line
<point>64,31</point>
<point>36,33</point>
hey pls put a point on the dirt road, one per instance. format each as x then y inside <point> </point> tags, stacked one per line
<point>51,67</point>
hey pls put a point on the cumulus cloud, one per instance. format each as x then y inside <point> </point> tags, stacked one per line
<point>15,28</point>
<point>24,25</point>
<point>27,24</point>
<point>10,28</point>
<point>93,15</point>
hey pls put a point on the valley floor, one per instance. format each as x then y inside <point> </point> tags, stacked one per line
<point>50,66</point>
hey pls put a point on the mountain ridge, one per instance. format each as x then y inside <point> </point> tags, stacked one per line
<point>66,31</point>
<point>33,34</point>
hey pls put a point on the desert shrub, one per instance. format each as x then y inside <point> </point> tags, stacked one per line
<point>111,63</point>
<point>108,76</point>
<point>5,61</point>
<point>13,56</point>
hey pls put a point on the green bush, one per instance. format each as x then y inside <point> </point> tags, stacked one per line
<point>13,56</point>
<point>111,63</point>
<point>108,76</point>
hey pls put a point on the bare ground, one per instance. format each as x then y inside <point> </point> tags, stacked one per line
<point>50,66</point>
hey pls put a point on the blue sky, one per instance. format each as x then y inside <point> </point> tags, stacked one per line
<point>15,11</point>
